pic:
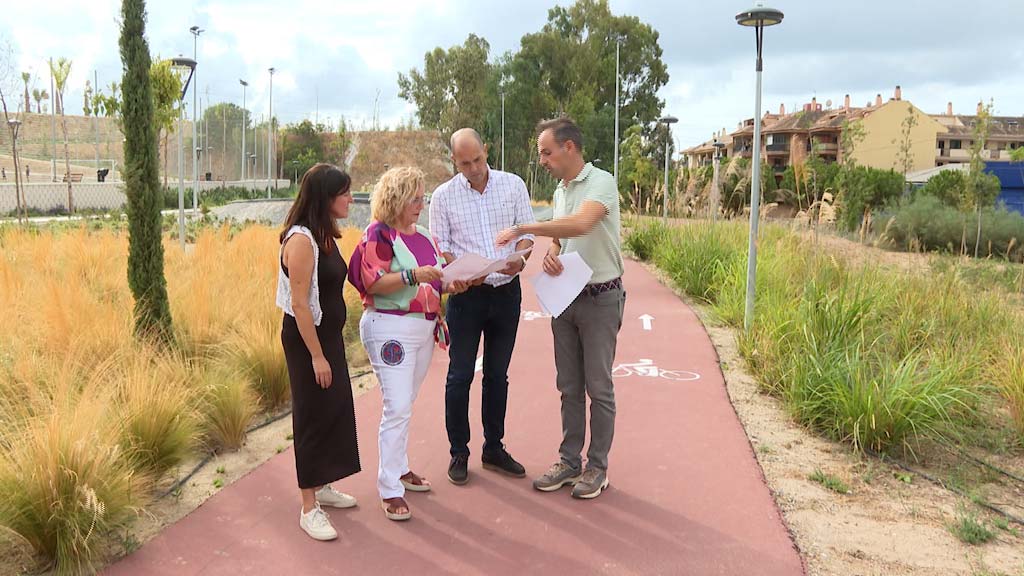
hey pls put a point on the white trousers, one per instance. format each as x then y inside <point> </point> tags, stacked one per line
<point>400,349</point>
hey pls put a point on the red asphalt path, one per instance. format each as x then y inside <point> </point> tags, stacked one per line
<point>686,496</point>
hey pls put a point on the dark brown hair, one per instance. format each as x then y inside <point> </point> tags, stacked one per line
<point>563,129</point>
<point>320,185</point>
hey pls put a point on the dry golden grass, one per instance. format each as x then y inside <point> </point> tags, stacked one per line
<point>89,418</point>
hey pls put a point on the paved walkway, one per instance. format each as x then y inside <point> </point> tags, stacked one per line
<point>686,496</point>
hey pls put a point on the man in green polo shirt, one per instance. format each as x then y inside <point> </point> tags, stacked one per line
<point>586,221</point>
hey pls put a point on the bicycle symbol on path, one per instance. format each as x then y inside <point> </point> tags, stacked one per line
<point>530,315</point>
<point>646,368</point>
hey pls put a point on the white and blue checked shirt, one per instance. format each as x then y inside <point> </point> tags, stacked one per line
<point>465,221</point>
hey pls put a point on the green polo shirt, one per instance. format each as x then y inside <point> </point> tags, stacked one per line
<point>600,248</point>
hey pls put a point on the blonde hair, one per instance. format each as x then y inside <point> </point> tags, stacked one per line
<point>395,189</point>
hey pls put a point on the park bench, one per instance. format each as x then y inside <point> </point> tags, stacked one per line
<point>75,177</point>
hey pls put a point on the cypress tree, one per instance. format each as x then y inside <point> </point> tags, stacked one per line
<point>141,161</point>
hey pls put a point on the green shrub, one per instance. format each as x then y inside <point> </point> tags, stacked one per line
<point>925,223</point>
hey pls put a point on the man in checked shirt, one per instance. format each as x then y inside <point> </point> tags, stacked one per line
<point>466,215</point>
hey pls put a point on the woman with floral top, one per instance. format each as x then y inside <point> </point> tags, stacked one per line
<point>397,270</point>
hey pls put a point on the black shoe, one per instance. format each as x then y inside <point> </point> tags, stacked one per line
<point>457,472</point>
<point>504,463</point>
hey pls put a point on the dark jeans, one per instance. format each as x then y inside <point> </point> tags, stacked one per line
<point>493,313</point>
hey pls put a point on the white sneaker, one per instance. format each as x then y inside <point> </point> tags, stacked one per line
<point>317,524</point>
<point>328,496</point>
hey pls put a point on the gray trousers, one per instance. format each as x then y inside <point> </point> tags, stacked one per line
<point>585,338</point>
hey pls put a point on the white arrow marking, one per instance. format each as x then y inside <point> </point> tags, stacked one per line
<point>479,364</point>
<point>646,319</point>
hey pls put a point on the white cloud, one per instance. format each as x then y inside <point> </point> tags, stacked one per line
<point>344,52</point>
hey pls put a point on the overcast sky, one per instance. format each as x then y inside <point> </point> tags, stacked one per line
<point>350,52</point>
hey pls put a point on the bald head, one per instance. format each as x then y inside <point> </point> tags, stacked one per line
<point>470,157</point>
<point>466,137</point>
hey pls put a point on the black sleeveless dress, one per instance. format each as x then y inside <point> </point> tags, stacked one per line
<point>323,421</point>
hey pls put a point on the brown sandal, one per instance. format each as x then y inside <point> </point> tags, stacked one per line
<point>415,483</point>
<point>392,506</point>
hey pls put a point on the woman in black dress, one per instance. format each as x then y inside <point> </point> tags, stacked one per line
<point>310,282</point>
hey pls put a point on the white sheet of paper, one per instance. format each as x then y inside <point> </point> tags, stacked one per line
<point>473,266</point>
<point>557,292</point>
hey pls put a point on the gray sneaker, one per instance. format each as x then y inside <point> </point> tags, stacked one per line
<point>557,476</point>
<point>590,485</point>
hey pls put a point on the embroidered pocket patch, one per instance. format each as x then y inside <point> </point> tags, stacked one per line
<point>392,353</point>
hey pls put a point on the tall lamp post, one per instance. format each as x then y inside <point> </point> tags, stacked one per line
<point>196,31</point>
<point>668,121</point>
<point>253,173</point>
<point>502,128</point>
<point>270,133</point>
<point>182,64</point>
<point>244,84</point>
<point>715,201</point>
<point>615,160</point>
<point>757,18</point>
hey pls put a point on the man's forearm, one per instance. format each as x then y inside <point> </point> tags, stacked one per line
<point>560,228</point>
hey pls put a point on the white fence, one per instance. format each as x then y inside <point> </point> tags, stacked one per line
<point>53,196</point>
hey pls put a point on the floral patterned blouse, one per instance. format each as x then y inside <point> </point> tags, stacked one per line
<point>384,249</point>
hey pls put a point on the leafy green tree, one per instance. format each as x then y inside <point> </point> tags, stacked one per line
<point>450,92</point>
<point>981,189</point>
<point>302,143</point>
<point>948,186</point>
<point>166,86</point>
<point>566,68</point>
<point>864,190</point>
<point>904,157</point>
<point>61,69</point>
<point>145,249</point>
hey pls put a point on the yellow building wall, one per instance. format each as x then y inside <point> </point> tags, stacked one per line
<point>883,136</point>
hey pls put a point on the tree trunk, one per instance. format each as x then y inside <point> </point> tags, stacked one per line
<point>67,159</point>
<point>18,193</point>
<point>977,239</point>
<point>165,157</point>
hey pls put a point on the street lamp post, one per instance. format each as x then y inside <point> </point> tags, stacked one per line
<point>253,173</point>
<point>295,171</point>
<point>615,161</point>
<point>668,121</point>
<point>503,129</point>
<point>196,31</point>
<point>270,132</point>
<point>757,18</point>
<point>531,179</point>
<point>181,64</point>
<point>714,201</point>
<point>244,84</point>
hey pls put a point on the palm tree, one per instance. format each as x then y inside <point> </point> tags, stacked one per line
<point>61,69</point>
<point>25,77</point>
<point>37,95</point>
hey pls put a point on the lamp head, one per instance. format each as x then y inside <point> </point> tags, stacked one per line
<point>759,16</point>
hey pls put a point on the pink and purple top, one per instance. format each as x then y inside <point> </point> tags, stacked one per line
<point>384,249</point>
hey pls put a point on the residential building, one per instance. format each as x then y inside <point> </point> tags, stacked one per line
<point>933,139</point>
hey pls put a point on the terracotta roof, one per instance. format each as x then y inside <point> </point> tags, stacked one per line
<point>999,126</point>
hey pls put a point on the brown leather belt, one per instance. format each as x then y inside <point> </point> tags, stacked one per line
<point>595,289</point>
